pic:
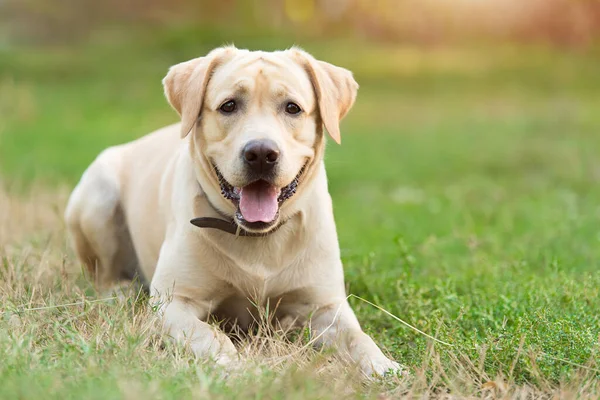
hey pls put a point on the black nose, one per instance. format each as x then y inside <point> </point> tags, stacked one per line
<point>261,155</point>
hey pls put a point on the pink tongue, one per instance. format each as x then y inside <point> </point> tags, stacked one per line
<point>258,202</point>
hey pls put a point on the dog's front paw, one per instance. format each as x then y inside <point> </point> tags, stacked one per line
<point>228,360</point>
<point>217,349</point>
<point>382,367</point>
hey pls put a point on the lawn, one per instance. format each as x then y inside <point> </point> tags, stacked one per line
<point>466,197</point>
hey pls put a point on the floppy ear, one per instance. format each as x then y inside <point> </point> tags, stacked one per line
<point>186,83</point>
<point>335,89</point>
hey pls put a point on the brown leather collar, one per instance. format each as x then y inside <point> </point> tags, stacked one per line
<point>229,226</point>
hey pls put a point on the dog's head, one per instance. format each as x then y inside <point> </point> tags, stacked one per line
<point>257,120</point>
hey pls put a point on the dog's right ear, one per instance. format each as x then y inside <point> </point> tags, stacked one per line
<point>186,83</point>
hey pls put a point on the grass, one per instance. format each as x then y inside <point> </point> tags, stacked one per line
<point>466,196</point>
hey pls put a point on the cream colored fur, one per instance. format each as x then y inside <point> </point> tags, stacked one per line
<point>132,208</point>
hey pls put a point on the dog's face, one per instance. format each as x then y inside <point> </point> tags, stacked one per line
<point>259,130</point>
<point>260,118</point>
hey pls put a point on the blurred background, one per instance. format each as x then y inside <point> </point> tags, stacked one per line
<point>570,23</point>
<point>466,189</point>
<point>474,101</point>
<point>82,74</point>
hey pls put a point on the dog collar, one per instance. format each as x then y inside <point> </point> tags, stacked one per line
<point>229,226</point>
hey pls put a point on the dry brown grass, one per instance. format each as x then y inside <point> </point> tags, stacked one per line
<point>49,311</point>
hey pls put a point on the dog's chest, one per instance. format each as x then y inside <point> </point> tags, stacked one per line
<point>259,268</point>
<point>262,279</point>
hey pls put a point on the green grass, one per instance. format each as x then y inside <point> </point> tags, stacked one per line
<point>466,196</point>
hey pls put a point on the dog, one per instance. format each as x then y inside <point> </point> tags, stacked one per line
<point>230,206</point>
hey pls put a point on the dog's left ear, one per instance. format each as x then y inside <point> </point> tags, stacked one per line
<point>335,89</point>
<point>185,85</point>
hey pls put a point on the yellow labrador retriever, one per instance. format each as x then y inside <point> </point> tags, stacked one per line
<point>245,167</point>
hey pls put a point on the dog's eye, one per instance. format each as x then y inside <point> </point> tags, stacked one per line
<point>292,108</point>
<point>228,107</point>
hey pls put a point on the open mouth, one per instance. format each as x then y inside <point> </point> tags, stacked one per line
<point>258,202</point>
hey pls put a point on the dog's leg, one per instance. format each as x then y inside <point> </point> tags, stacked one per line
<point>335,325</point>
<point>182,321</point>
<point>185,296</point>
<point>98,228</point>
